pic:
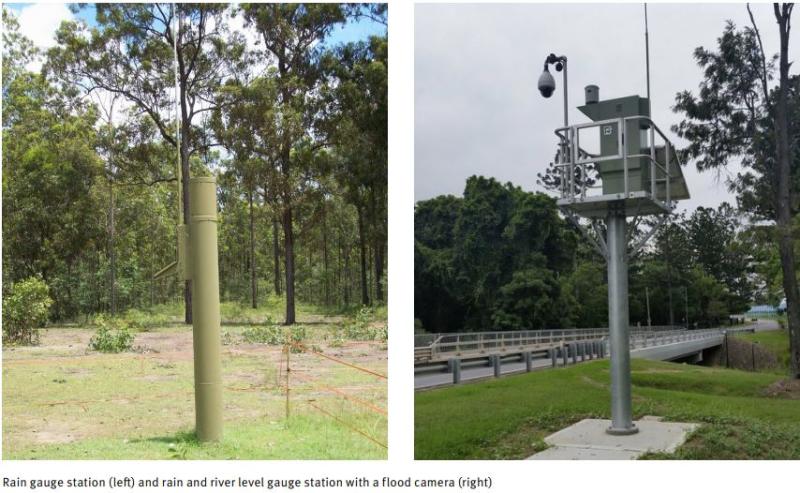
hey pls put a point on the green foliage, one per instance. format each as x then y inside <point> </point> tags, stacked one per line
<point>270,334</point>
<point>490,260</point>
<point>25,307</point>
<point>140,320</point>
<point>361,328</point>
<point>501,258</point>
<point>276,335</point>
<point>586,292</point>
<point>731,118</point>
<point>775,341</point>
<point>88,193</point>
<point>112,335</point>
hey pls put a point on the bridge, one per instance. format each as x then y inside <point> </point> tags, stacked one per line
<point>446,359</point>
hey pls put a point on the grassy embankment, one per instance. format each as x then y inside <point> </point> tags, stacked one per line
<point>775,341</point>
<point>508,418</point>
<point>62,400</point>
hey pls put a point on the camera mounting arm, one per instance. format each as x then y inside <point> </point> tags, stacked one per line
<point>547,85</point>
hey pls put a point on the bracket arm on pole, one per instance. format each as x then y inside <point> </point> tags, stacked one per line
<point>598,243</point>
<point>638,246</point>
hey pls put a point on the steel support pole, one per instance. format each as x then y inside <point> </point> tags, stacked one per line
<point>496,365</point>
<point>621,420</point>
<point>205,309</point>
<point>527,357</point>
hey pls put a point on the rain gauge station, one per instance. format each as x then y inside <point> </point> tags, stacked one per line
<point>198,262</point>
<point>631,170</point>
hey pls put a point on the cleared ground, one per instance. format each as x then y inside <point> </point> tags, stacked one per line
<point>64,401</point>
<point>743,415</point>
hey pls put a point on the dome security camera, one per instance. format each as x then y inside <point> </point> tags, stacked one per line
<point>547,85</point>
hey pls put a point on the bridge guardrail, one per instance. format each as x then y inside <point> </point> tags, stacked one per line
<point>446,345</point>
<point>482,342</point>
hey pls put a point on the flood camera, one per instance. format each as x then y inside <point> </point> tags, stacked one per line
<point>546,83</point>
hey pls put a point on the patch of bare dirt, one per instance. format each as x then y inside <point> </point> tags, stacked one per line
<point>177,345</point>
<point>58,432</point>
<point>251,386</point>
<point>784,389</point>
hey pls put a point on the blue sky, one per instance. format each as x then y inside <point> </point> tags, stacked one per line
<point>41,20</point>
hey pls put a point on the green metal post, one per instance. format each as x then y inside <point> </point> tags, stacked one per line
<point>205,309</point>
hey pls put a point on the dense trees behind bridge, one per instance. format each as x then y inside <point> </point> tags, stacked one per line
<point>293,125</point>
<point>500,258</point>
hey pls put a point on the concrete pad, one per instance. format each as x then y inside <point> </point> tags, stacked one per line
<point>588,439</point>
<point>572,453</point>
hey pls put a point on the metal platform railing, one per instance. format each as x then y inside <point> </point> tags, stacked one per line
<point>577,168</point>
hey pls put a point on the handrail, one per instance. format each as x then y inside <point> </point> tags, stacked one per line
<point>482,341</point>
<point>511,341</point>
<point>572,155</point>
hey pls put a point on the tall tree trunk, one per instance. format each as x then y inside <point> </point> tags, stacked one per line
<point>370,274</point>
<point>288,252</point>
<point>253,293</point>
<point>112,253</point>
<point>326,286</point>
<point>184,153</point>
<point>276,255</point>
<point>363,247</point>
<point>338,283</point>
<point>378,271</point>
<point>376,248</point>
<point>346,253</point>
<point>783,204</point>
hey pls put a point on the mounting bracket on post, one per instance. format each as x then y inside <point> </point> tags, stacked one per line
<point>635,249</point>
<point>597,241</point>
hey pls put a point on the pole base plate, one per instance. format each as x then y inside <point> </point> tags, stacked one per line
<point>622,431</point>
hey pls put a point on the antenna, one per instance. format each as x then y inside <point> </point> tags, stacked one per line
<point>647,60</point>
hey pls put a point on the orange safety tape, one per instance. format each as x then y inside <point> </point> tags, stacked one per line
<point>353,398</point>
<point>342,362</point>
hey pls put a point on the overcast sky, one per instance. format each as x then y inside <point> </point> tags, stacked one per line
<point>477,109</point>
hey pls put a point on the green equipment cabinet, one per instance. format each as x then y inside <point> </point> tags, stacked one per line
<point>634,142</point>
<point>641,149</point>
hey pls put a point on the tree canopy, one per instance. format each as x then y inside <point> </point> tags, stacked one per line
<point>291,126</point>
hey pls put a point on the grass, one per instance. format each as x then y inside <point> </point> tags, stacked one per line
<point>307,436</point>
<point>509,418</point>
<point>62,401</point>
<point>775,341</point>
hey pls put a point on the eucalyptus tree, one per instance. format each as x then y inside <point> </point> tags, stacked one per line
<point>291,36</point>
<point>49,168</point>
<point>357,126</point>
<point>135,51</point>
<point>737,114</point>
